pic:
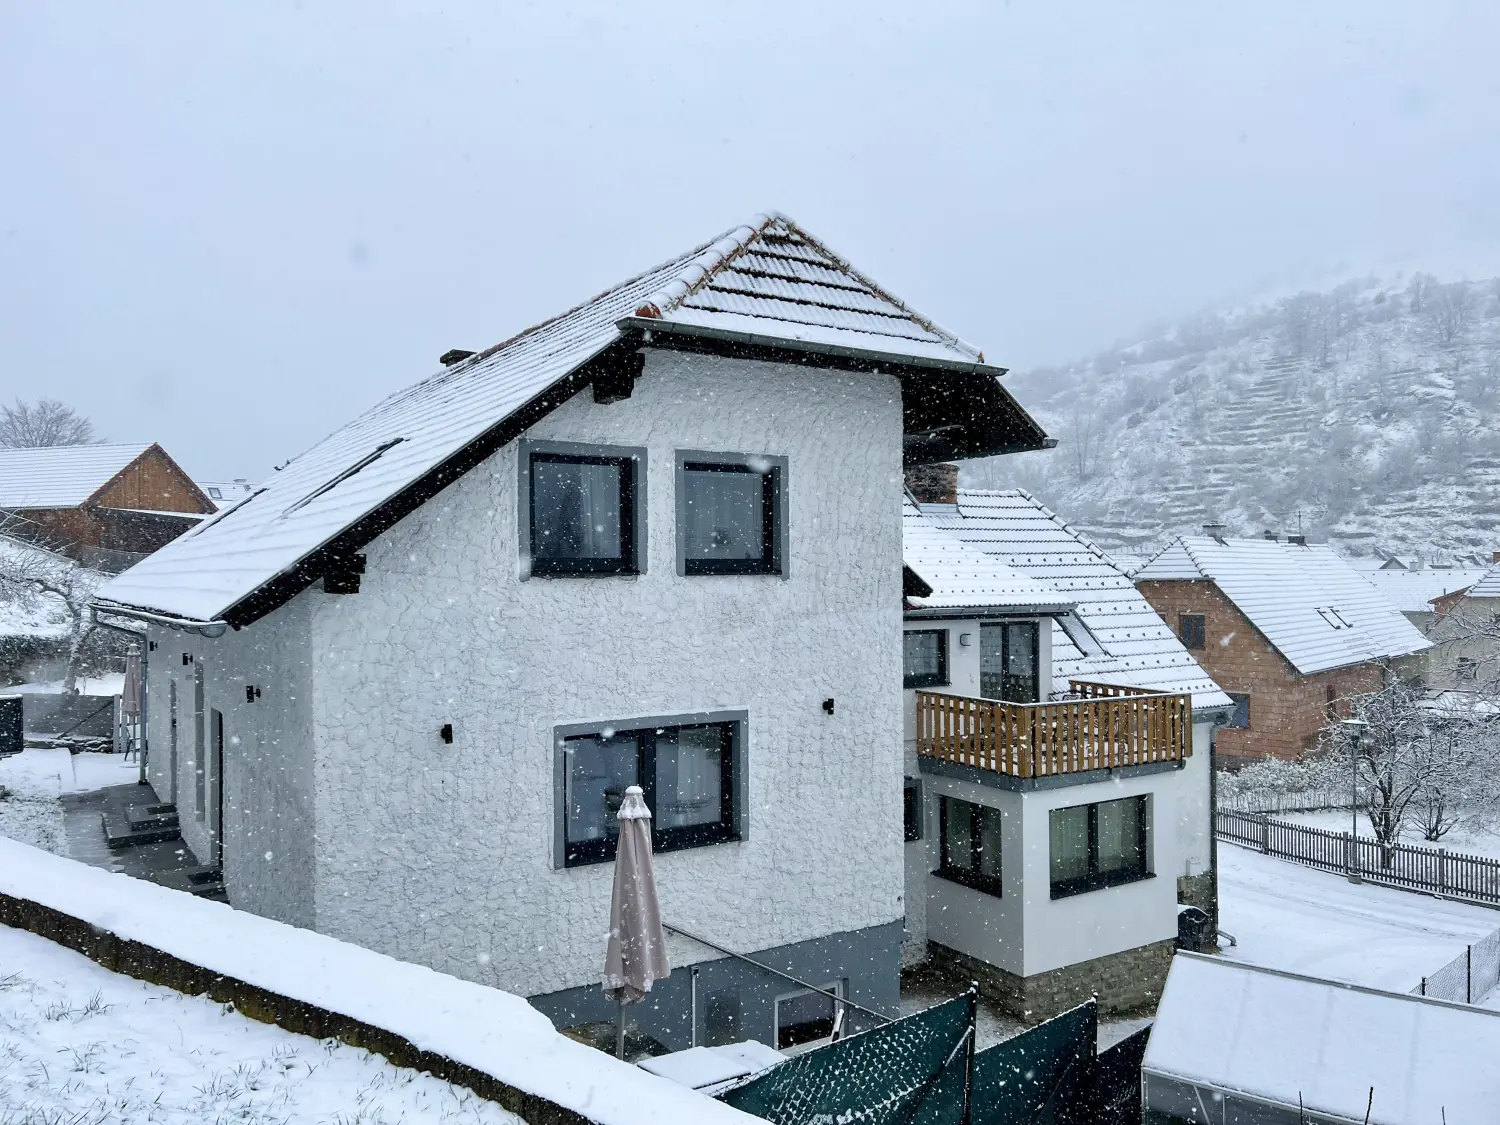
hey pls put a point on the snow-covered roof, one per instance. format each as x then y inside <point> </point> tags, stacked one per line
<point>1308,602</point>
<point>965,578</point>
<point>1279,1037</point>
<point>765,282</point>
<point>1487,585</point>
<point>1412,591</point>
<point>1138,648</point>
<point>62,476</point>
<point>225,492</point>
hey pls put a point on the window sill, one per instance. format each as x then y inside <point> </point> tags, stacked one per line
<point>982,886</point>
<point>1084,886</point>
<point>656,849</point>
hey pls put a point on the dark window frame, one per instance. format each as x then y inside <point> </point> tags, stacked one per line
<point>1193,627</point>
<point>941,677</point>
<point>1096,880</point>
<point>774,512</point>
<point>631,461</point>
<point>967,877</point>
<point>1006,630</point>
<point>732,828</point>
<point>1241,701</point>
<point>1466,669</point>
<point>913,823</point>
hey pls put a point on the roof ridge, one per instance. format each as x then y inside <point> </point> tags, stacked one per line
<point>1077,534</point>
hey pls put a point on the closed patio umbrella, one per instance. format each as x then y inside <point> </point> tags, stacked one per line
<point>637,953</point>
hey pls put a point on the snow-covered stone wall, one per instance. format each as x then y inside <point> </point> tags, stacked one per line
<point>443,854</point>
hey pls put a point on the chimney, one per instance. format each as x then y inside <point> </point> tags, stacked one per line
<point>1216,530</point>
<point>453,355</point>
<point>933,484</point>
<point>1417,562</point>
<point>1495,557</point>
<point>1297,540</point>
<point>1271,535</point>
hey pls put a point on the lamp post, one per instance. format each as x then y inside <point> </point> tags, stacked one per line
<point>1354,729</point>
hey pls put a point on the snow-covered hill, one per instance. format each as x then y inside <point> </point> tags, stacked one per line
<point>1368,415</point>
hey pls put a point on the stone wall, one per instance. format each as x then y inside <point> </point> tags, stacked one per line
<point>1126,982</point>
<point>1287,709</point>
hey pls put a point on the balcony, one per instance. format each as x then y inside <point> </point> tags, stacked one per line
<point>1103,726</point>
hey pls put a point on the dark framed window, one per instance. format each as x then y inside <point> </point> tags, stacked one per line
<point>582,509</point>
<point>969,851</point>
<point>1098,845</point>
<point>911,804</point>
<point>731,513</point>
<point>688,774</point>
<point>1192,630</point>
<point>1466,668</point>
<point>1239,718</point>
<point>807,1016</point>
<point>924,658</point>
<point>1009,661</point>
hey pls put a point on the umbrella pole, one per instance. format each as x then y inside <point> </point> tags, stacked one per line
<point>620,1026</point>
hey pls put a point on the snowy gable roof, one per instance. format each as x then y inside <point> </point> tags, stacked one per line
<point>61,476</point>
<point>1291,1040</point>
<point>1138,648</point>
<point>1412,591</point>
<point>1488,584</point>
<point>1310,604</point>
<point>961,577</point>
<point>769,276</point>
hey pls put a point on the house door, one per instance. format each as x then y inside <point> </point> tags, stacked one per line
<point>172,741</point>
<point>1008,660</point>
<point>216,786</point>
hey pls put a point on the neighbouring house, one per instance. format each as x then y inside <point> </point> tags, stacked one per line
<point>108,506</point>
<point>398,692</point>
<point>1288,629</point>
<point>1059,759</point>
<point>223,493</point>
<point>1412,590</point>
<point>1265,1046</point>
<point>1465,635</point>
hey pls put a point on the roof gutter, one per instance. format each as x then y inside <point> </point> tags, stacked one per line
<point>981,611</point>
<point>647,325</point>
<point>209,629</point>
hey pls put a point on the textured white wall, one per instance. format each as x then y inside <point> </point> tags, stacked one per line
<point>443,854</point>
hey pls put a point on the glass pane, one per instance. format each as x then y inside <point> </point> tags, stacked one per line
<point>575,509</point>
<point>1070,843</point>
<point>803,1018</point>
<point>1020,684</point>
<point>1120,844</point>
<point>922,654</point>
<point>598,772</point>
<point>958,838</point>
<point>989,843</point>
<point>991,655</point>
<point>724,514</point>
<point>690,764</point>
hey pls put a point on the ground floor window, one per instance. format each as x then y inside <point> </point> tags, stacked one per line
<point>1098,845</point>
<point>970,845</point>
<point>807,1016</point>
<point>911,794</point>
<point>687,772</point>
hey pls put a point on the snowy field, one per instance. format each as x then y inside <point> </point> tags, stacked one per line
<point>1291,917</point>
<point>83,1046</point>
<point>1477,841</point>
<point>32,781</point>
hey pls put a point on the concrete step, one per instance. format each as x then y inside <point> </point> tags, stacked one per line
<point>204,881</point>
<point>146,817</point>
<point>119,832</point>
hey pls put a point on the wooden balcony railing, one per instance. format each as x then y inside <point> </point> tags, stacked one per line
<point>1108,727</point>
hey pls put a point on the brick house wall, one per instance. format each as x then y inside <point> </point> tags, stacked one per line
<point>1287,709</point>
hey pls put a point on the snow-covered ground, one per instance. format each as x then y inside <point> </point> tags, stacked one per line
<point>83,1045</point>
<point>32,781</point>
<point>1475,841</point>
<point>111,683</point>
<point>1291,917</point>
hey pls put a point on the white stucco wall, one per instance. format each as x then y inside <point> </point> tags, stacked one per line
<point>444,854</point>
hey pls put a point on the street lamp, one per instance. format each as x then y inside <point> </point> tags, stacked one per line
<point>1353,729</point>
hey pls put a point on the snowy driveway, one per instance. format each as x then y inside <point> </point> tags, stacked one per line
<point>1291,917</point>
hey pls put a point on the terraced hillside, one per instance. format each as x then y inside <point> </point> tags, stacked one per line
<point>1368,415</point>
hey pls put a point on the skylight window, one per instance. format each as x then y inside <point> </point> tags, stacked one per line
<point>1334,619</point>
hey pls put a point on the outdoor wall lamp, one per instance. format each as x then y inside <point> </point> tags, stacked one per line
<point>445,732</point>
<point>828,706</point>
<point>965,640</point>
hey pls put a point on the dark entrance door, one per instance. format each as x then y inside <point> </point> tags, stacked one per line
<point>1008,661</point>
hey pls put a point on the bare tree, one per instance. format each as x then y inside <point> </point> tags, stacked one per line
<point>32,576</point>
<point>1085,440</point>
<point>42,424</point>
<point>1450,309</point>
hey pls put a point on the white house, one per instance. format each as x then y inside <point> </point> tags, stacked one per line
<point>1059,761</point>
<point>399,689</point>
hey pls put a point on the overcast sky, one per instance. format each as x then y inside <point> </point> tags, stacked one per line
<point>229,228</point>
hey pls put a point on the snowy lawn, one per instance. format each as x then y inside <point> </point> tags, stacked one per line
<point>1291,917</point>
<point>82,1045</point>
<point>32,781</point>
<point>1477,841</point>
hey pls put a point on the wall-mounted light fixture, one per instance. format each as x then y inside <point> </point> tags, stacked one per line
<point>965,640</point>
<point>828,706</point>
<point>445,732</point>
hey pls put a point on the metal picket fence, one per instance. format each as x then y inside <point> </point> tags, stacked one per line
<point>1399,865</point>
<point>1469,977</point>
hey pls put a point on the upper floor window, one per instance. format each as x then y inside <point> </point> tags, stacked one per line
<point>1192,629</point>
<point>1239,718</point>
<point>1466,668</point>
<point>911,809</point>
<point>1097,845</point>
<point>583,508</point>
<point>731,513</point>
<point>1009,661</point>
<point>689,773</point>
<point>924,658</point>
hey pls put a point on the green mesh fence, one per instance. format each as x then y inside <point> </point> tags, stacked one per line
<point>1042,1076</point>
<point>910,1072</point>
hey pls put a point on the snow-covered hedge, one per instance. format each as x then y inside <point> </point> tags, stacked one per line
<point>305,980</point>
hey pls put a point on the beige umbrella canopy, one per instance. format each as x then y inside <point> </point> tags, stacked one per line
<point>637,952</point>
